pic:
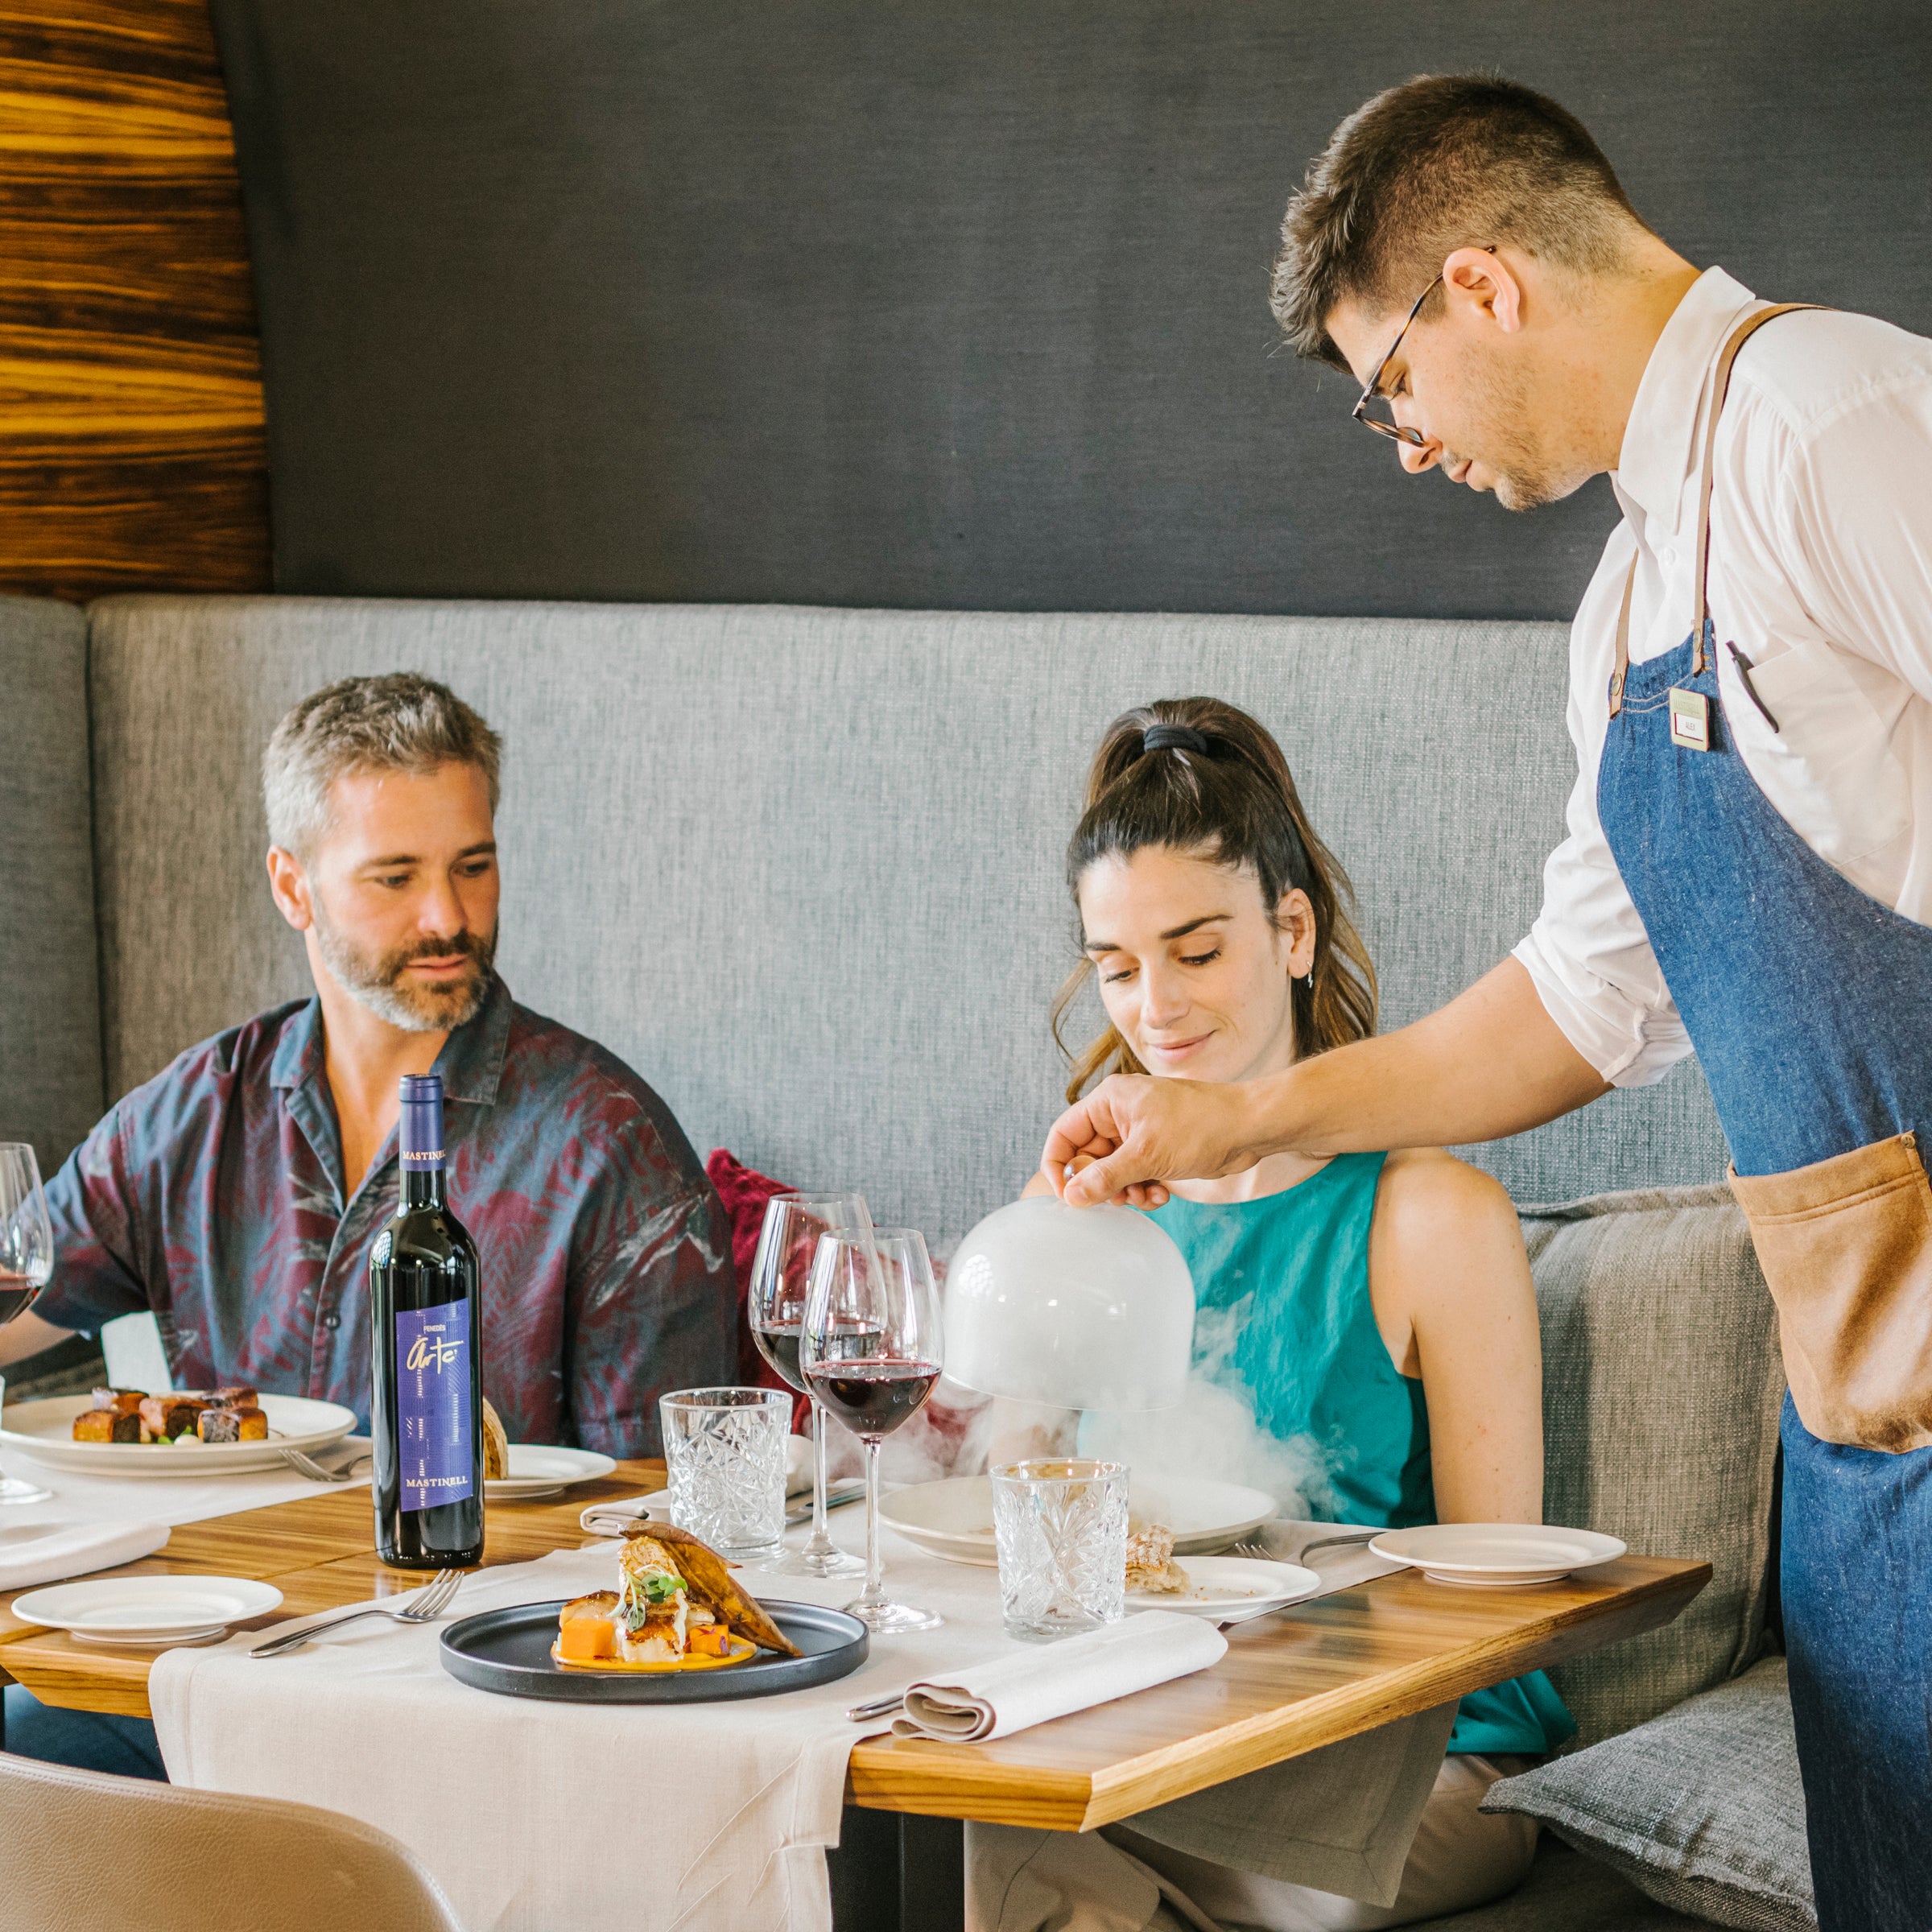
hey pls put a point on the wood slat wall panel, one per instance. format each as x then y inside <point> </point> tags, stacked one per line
<point>132,454</point>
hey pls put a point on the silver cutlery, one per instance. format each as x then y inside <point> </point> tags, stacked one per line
<point>423,1607</point>
<point>308,1466</point>
<point>880,1706</point>
<point>837,1496</point>
<point>1249,1547</point>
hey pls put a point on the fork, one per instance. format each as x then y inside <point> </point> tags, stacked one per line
<point>308,1466</point>
<point>1250,1547</point>
<point>424,1607</point>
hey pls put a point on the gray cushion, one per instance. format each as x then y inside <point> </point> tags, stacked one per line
<point>1662,1385</point>
<point>803,867</point>
<point>1702,1809</point>
<point>49,1011</point>
<point>1566,1891</point>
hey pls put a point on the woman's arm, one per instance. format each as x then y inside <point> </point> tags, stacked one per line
<point>1453,1299</point>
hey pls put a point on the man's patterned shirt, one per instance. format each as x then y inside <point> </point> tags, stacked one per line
<point>213,1195</point>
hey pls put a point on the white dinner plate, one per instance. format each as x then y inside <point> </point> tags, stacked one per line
<point>45,1431</point>
<point>148,1610</point>
<point>954,1518</point>
<point>1496,1556</point>
<point>540,1469</point>
<point>1231,1588</point>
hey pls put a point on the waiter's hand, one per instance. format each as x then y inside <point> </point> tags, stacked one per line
<point>1133,1132</point>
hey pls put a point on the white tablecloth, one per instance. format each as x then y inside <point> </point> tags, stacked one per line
<point>536,1816</point>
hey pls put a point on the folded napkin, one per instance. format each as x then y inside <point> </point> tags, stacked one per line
<point>617,1515</point>
<point>51,1552</point>
<point>1011,1694</point>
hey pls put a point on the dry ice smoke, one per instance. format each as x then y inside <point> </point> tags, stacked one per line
<point>1212,1433</point>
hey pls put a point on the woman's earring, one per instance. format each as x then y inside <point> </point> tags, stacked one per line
<point>1309,982</point>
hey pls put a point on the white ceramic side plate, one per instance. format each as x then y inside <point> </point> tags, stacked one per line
<point>45,1431</point>
<point>540,1469</point>
<point>1230,1588</point>
<point>954,1518</point>
<point>148,1610</point>
<point>1497,1556</point>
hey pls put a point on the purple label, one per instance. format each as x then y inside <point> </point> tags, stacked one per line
<point>432,1406</point>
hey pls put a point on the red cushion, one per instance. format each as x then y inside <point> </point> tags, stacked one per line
<point>743,1191</point>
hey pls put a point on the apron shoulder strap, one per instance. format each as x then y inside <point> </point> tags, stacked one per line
<point>1720,384</point>
<point>1720,387</point>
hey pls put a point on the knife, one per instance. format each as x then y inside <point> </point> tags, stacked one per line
<point>837,1496</point>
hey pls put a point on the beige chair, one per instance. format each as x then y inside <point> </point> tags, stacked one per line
<point>82,1847</point>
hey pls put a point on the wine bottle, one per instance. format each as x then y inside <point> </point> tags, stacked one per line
<point>425,1311</point>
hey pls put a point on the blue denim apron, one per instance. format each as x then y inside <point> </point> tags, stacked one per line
<point>1809,1006</point>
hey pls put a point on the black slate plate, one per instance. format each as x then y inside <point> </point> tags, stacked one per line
<point>508,1652</point>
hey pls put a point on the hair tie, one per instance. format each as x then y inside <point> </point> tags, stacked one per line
<point>1174,737</point>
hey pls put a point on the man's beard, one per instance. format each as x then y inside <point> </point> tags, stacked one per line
<point>379,984</point>
<point>1527,475</point>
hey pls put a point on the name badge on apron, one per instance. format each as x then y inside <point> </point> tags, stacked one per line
<point>1689,720</point>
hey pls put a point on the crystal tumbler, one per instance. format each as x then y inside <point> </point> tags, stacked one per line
<point>725,1452</point>
<point>1060,1528</point>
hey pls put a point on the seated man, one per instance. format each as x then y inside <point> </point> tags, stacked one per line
<point>236,1193</point>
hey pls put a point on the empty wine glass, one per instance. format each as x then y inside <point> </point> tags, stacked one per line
<point>776,1306</point>
<point>26,1264</point>
<point>871,1351</point>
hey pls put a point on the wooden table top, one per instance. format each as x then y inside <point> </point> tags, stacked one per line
<point>1327,1670</point>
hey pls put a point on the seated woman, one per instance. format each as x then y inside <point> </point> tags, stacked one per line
<point>1379,1306</point>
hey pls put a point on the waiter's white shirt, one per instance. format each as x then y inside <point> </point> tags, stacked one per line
<point>1821,573</point>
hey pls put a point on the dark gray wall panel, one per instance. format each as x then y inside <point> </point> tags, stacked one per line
<point>845,302</point>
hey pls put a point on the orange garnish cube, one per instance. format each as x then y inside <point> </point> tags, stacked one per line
<point>586,1640</point>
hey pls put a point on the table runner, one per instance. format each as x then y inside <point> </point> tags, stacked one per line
<point>172,1500</point>
<point>535,1815</point>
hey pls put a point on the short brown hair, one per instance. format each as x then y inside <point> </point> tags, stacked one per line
<point>1443,162</point>
<point>1237,801</point>
<point>398,722</point>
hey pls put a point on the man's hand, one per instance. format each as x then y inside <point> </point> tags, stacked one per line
<point>1133,1132</point>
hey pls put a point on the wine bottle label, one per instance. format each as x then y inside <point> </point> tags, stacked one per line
<point>433,1419</point>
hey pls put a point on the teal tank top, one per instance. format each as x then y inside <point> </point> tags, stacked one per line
<point>1282,1307</point>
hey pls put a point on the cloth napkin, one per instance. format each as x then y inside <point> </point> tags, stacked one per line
<point>616,1516</point>
<point>1012,1693</point>
<point>51,1552</point>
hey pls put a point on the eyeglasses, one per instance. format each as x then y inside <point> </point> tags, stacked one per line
<point>1387,426</point>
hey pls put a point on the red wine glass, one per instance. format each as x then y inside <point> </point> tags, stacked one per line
<point>775,1307</point>
<point>871,1351</point>
<point>27,1264</point>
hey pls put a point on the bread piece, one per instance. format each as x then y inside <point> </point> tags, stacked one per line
<point>165,1416</point>
<point>1151,1564</point>
<point>121,1401</point>
<point>496,1445</point>
<point>707,1578</point>
<point>106,1426</point>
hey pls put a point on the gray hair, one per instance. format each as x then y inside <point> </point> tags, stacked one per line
<point>398,722</point>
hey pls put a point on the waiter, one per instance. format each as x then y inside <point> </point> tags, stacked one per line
<point>1748,872</point>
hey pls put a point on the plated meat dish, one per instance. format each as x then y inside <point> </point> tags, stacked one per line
<point>203,1415</point>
